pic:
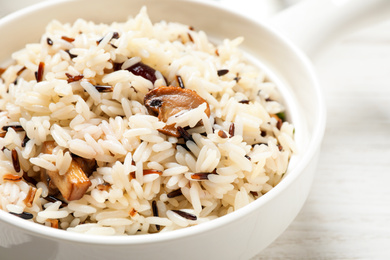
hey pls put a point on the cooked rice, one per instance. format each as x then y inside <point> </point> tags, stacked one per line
<point>233,157</point>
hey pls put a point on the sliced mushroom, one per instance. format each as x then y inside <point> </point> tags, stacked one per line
<point>87,165</point>
<point>74,183</point>
<point>165,102</point>
<point>45,178</point>
<point>48,147</point>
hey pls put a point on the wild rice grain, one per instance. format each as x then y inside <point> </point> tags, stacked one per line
<point>24,215</point>
<point>200,176</point>
<point>39,73</point>
<point>17,128</point>
<point>15,160</point>
<point>70,54</point>
<point>185,215</point>
<point>25,140</point>
<point>73,78</point>
<point>180,81</point>
<point>183,133</point>
<point>155,212</point>
<point>68,39</point>
<point>231,130</point>
<point>49,41</point>
<point>51,198</point>
<point>11,177</point>
<point>146,172</point>
<point>104,89</point>
<point>222,72</point>
<point>237,78</point>
<point>53,223</point>
<point>174,193</point>
<point>29,179</point>
<point>222,134</point>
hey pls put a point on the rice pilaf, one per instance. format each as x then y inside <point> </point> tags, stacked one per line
<point>136,127</point>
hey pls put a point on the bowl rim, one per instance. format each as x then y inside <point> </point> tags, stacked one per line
<point>314,145</point>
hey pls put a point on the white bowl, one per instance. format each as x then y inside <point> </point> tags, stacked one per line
<point>238,235</point>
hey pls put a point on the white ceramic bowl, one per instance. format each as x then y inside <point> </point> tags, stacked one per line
<point>238,235</point>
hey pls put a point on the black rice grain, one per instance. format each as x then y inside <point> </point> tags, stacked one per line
<point>104,89</point>
<point>29,179</point>
<point>23,215</point>
<point>117,66</point>
<point>174,193</point>
<point>70,54</point>
<point>17,128</point>
<point>143,70</point>
<point>155,212</point>
<point>51,198</point>
<point>222,72</point>
<point>185,214</point>
<point>115,35</point>
<point>180,81</point>
<point>49,41</point>
<point>183,133</point>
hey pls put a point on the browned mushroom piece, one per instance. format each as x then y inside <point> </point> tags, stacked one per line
<point>87,165</point>
<point>74,183</point>
<point>165,102</point>
<point>48,147</point>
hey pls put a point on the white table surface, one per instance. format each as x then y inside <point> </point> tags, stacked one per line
<point>347,214</point>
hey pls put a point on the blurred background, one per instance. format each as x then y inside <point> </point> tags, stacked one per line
<point>267,7</point>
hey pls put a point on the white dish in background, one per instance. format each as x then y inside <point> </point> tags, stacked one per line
<point>238,235</point>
